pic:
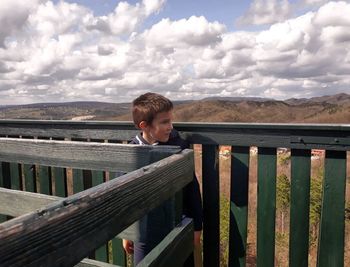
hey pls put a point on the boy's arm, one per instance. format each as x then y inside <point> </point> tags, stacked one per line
<point>128,246</point>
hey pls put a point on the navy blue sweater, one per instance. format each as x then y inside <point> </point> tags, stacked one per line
<point>192,202</point>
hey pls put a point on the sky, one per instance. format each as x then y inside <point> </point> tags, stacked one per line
<point>113,51</point>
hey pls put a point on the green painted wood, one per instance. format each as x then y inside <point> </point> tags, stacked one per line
<point>266,207</point>
<point>299,208</point>
<point>6,174</point>
<point>331,237</point>
<point>174,249</point>
<point>101,254</point>
<point>118,253</point>
<point>119,256</point>
<point>29,177</point>
<point>15,176</point>
<point>78,181</point>
<point>97,177</point>
<point>238,206</point>
<point>60,181</point>
<point>45,180</point>
<point>211,216</point>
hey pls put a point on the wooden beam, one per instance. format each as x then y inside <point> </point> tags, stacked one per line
<point>53,236</point>
<point>15,203</point>
<point>69,129</point>
<point>174,249</point>
<point>301,136</point>
<point>82,155</point>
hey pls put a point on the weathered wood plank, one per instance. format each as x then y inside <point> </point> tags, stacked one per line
<point>53,236</point>
<point>69,129</point>
<point>81,155</point>
<point>174,249</point>
<point>300,136</point>
<point>15,203</point>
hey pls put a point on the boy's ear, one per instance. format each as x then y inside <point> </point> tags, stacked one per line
<point>143,125</point>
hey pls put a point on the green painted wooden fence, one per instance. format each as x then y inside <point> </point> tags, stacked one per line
<point>299,138</point>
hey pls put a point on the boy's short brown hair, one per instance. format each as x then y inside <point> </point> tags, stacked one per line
<point>147,106</point>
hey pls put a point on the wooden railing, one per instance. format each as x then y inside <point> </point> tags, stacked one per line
<point>61,231</point>
<point>300,139</point>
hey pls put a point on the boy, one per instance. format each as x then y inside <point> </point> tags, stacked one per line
<point>152,114</point>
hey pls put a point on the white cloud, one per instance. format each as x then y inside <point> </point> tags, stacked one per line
<point>13,16</point>
<point>55,52</point>
<point>265,12</point>
<point>125,18</point>
<point>195,31</point>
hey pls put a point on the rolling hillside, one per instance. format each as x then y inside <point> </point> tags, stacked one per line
<point>326,109</point>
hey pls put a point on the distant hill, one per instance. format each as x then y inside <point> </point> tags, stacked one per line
<point>325,109</point>
<point>64,111</point>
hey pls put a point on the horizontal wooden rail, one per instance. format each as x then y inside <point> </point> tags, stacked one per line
<point>300,136</point>
<point>16,203</point>
<point>53,235</point>
<point>82,155</point>
<point>172,251</point>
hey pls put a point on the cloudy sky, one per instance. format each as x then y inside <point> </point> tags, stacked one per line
<point>108,50</point>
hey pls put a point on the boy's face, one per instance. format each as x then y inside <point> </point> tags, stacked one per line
<point>159,130</point>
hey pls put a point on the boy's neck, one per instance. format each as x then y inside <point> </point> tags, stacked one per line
<point>148,137</point>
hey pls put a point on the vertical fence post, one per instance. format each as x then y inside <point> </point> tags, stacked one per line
<point>299,208</point>
<point>45,180</point>
<point>101,254</point>
<point>331,237</point>
<point>266,212</point>
<point>15,176</point>
<point>211,215</point>
<point>118,254</point>
<point>60,181</point>
<point>29,177</point>
<point>239,206</point>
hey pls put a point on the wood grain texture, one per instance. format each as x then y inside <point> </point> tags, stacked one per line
<point>15,203</point>
<point>53,235</point>
<point>81,155</point>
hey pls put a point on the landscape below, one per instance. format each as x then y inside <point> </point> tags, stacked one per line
<point>326,109</point>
